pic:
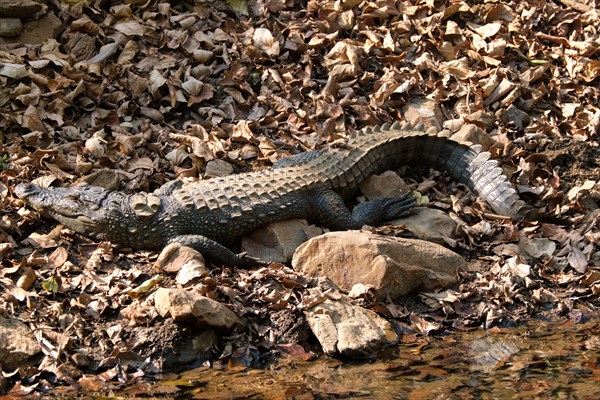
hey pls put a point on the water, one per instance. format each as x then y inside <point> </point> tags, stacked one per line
<point>542,359</point>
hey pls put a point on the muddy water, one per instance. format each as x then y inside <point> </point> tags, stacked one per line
<point>558,359</point>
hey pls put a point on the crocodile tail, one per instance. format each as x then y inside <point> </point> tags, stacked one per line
<point>464,162</point>
<point>483,176</point>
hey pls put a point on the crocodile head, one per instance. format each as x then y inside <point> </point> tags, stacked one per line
<point>89,210</point>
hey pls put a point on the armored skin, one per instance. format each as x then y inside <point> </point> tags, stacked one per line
<point>209,215</point>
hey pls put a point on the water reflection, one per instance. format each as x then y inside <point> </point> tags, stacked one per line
<point>543,359</point>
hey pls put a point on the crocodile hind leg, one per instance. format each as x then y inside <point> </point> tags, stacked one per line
<point>333,213</point>
<point>217,253</point>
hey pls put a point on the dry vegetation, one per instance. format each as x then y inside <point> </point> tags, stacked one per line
<point>154,90</point>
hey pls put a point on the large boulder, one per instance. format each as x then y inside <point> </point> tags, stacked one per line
<point>395,267</point>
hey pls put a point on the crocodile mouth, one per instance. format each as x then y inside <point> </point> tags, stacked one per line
<point>54,202</point>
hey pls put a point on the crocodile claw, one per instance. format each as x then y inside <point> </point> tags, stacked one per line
<point>244,260</point>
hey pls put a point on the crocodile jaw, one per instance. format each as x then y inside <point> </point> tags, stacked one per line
<point>78,208</point>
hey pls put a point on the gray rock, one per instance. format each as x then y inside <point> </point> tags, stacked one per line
<point>10,27</point>
<point>216,168</point>
<point>276,242</point>
<point>385,184</point>
<point>36,31</point>
<point>349,330</point>
<point>19,8</point>
<point>429,224</point>
<point>424,111</point>
<point>195,309</point>
<point>17,344</point>
<point>395,267</point>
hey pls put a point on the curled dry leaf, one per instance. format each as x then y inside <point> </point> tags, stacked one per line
<point>263,39</point>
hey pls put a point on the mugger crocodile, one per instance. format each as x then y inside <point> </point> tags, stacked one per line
<point>209,215</point>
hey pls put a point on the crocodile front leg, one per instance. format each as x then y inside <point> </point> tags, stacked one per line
<point>333,213</point>
<point>217,253</point>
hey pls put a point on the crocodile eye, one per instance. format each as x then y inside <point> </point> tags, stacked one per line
<point>74,199</point>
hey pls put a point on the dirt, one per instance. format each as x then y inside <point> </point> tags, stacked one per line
<point>574,162</point>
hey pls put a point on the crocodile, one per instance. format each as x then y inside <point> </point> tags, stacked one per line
<point>209,215</point>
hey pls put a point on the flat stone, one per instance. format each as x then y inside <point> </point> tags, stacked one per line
<point>395,267</point>
<point>424,111</point>
<point>386,184</point>
<point>17,344</point>
<point>193,308</point>
<point>19,8</point>
<point>349,330</point>
<point>277,241</point>
<point>429,224</point>
<point>216,168</point>
<point>10,27</point>
<point>37,31</point>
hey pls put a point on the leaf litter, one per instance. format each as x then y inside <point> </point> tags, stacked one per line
<point>155,91</point>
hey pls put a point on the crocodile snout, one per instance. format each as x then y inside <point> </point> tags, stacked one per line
<point>25,190</point>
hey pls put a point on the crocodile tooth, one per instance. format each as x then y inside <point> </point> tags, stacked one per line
<point>419,127</point>
<point>396,125</point>
<point>407,126</point>
<point>431,131</point>
<point>385,127</point>
<point>377,129</point>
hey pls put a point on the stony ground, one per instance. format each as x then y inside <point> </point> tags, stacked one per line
<point>156,90</point>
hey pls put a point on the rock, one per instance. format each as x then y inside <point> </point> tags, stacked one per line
<point>474,134</point>
<point>386,184</point>
<point>10,27</point>
<point>37,31</point>
<point>185,261</point>
<point>19,8</point>
<point>429,224</point>
<point>17,344</point>
<point>277,241</point>
<point>349,330</point>
<point>424,111</point>
<point>202,312</point>
<point>216,168</point>
<point>395,267</point>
